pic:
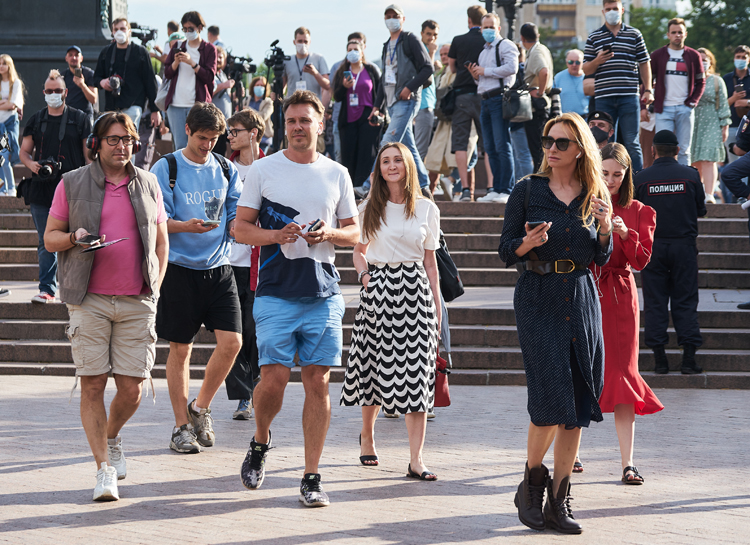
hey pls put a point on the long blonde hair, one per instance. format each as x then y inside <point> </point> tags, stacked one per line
<point>589,167</point>
<point>12,75</point>
<point>379,192</point>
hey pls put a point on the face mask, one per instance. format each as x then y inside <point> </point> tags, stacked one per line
<point>54,100</point>
<point>353,55</point>
<point>121,37</point>
<point>259,90</point>
<point>489,35</point>
<point>740,64</point>
<point>190,36</point>
<point>599,135</point>
<point>706,66</point>
<point>302,49</point>
<point>393,24</point>
<point>613,17</point>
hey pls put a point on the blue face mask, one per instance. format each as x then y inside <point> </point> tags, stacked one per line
<point>489,35</point>
<point>740,64</point>
<point>259,91</point>
<point>353,55</point>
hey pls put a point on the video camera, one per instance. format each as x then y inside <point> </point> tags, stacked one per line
<point>275,62</point>
<point>143,33</point>
<point>236,66</point>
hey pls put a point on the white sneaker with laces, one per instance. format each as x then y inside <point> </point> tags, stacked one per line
<point>501,198</point>
<point>117,457</point>
<point>710,199</point>
<point>106,484</point>
<point>489,197</point>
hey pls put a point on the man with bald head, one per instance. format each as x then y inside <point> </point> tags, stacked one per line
<point>571,82</point>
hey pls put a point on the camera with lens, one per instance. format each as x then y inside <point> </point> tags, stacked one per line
<point>276,58</point>
<point>116,83</point>
<point>143,33</point>
<point>237,66</point>
<point>50,168</point>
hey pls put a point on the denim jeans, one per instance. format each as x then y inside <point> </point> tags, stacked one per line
<point>496,136</point>
<point>134,113</point>
<point>47,260</point>
<point>10,127</point>
<point>522,161</point>
<point>177,117</point>
<point>626,112</point>
<point>401,130</point>
<point>680,120</point>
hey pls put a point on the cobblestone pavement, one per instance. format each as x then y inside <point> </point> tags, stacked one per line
<point>693,456</point>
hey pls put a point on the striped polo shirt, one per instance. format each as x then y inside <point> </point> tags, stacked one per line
<point>619,75</point>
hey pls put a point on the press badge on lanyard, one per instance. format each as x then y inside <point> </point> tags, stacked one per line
<point>390,76</point>
<point>301,86</point>
<point>354,97</point>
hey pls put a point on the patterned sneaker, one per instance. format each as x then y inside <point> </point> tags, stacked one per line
<point>43,298</point>
<point>311,493</point>
<point>202,424</point>
<point>106,484</point>
<point>244,410</point>
<point>184,440</point>
<point>117,457</point>
<point>4,292</point>
<point>253,469</point>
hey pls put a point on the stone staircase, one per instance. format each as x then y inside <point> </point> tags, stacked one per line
<point>485,348</point>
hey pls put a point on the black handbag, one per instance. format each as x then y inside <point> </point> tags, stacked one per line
<point>448,103</point>
<point>517,105</point>
<point>451,286</point>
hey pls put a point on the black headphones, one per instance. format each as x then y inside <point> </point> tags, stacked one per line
<point>93,142</point>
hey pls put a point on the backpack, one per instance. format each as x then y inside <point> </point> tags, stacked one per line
<point>172,162</point>
<point>409,53</point>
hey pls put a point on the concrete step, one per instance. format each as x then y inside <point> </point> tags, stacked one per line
<point>19,271</point>
<point>16,220</point>
<point>19,238</point>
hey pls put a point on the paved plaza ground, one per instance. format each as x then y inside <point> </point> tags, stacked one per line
<point>693,456</point>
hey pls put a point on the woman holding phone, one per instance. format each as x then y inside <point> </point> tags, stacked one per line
<point>394,341</point>
<point>557,309</point>
<point>355,85</point>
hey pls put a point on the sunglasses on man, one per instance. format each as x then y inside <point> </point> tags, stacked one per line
<point>574,62</point>
<point>54,91</point>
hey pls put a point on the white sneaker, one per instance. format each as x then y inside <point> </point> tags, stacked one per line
<point>501,198</point>
<point>710,199</point>
<point>489,197</point>
<point>447,185</point>
<point>117,457</point>
<point>106,484</point>
<point>438,191</point>
<point>430,414</point>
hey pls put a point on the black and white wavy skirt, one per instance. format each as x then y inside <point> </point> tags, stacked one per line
<point>394,342</point>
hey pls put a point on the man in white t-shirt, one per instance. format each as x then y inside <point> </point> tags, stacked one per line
<point>299,196</point>
<point>678,72</point>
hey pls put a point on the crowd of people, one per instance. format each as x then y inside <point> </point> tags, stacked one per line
<point>225,233</point>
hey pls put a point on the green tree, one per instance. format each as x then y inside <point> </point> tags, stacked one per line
<point>720,27</point>
<point>652,22</point>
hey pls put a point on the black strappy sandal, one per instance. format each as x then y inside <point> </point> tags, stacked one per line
<point>636,478</point>
<point>577,466</point>
<point>425,476</point>
<point>368,458</point>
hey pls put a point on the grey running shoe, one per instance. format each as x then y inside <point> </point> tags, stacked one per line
<point>244,410</point>
<point>202,425</point>
<point>184,440</point>
<point>253,469</point>
<point>311,493</point>
<point>117,457</point>
<point>466,195</point>
<point>106,484</point>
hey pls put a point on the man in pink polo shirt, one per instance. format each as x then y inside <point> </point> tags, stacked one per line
<point>111,292</point>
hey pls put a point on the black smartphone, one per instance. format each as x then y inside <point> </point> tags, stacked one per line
<point>739,87</point>
<point>88,240</point>
<point>534,224</point>
<point>78,73</point>
<point>314,226</point>
<point>607,48</point>
<point>467,64</point>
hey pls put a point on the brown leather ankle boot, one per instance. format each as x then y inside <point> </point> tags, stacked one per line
<point>530,497</point>
<point>557,512</point>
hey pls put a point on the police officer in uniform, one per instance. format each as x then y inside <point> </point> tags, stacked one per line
<point>602,127</point>
<point>733,173</point>
<point>676,193</point>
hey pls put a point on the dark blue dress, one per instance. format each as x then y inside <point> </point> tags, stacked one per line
<point>558,316</point>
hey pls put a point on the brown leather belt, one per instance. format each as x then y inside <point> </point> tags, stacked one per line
<point>561,266</point>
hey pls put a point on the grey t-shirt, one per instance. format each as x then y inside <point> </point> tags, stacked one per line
<point>296,77</point>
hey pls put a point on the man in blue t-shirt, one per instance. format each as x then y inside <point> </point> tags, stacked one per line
<point>290,206</point>
<point>200,196</point>
<point>570,82</point>
<point>424,121</point>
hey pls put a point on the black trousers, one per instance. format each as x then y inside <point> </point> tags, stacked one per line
<point>359,141</point>
<point>240,380</point>
<point>670,280</point>
<point>534,129</point>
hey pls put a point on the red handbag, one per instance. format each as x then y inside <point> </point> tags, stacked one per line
<point>442,394</point>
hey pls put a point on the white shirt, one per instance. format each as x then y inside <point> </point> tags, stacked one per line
<point>492,73</point>
<point>239,255</point>
<point>401,239</point>
<point>184,93</point>
<point>16,98</point>
<point>676,79</point>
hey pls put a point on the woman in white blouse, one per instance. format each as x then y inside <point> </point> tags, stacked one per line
<point>394,341</point>
<point>11,102</point>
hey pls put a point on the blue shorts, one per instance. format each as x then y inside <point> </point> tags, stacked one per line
<point>310,326</point>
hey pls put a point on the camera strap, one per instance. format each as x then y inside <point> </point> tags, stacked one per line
<point>60,133</point>
<point>112,61</point>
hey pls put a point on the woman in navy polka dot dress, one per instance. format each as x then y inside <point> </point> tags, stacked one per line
<point>556,224</point>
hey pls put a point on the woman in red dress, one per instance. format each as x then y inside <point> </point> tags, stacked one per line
<point>625,392</point>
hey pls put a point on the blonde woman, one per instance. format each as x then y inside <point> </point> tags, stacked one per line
<point>11,102</point>
<point>712,120</point>
<point>394,341</point>
<point>556,224</point>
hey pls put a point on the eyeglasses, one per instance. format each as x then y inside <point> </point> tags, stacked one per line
<point>54,91</point>
<point>115,140</point>
<point>561,143</point>
<point>574,62</point>
<point>235,132</point>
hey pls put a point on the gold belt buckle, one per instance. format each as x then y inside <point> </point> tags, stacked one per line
<point>572,265</point>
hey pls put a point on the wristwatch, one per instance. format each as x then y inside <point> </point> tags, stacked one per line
<point>650,91</point>
<point>359,278</point>
<point>195,65</point>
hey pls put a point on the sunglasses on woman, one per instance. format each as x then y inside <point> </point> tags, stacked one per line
<point>561,143</point>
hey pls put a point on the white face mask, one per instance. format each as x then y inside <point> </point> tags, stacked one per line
<point>121,37</point>
<point>353,55</point>
<point>302,49</point>
<point>613,17</point>
<point>393,24</point>
<point>706,66</point>
<point>54,100</point>
<point>190,36</point>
